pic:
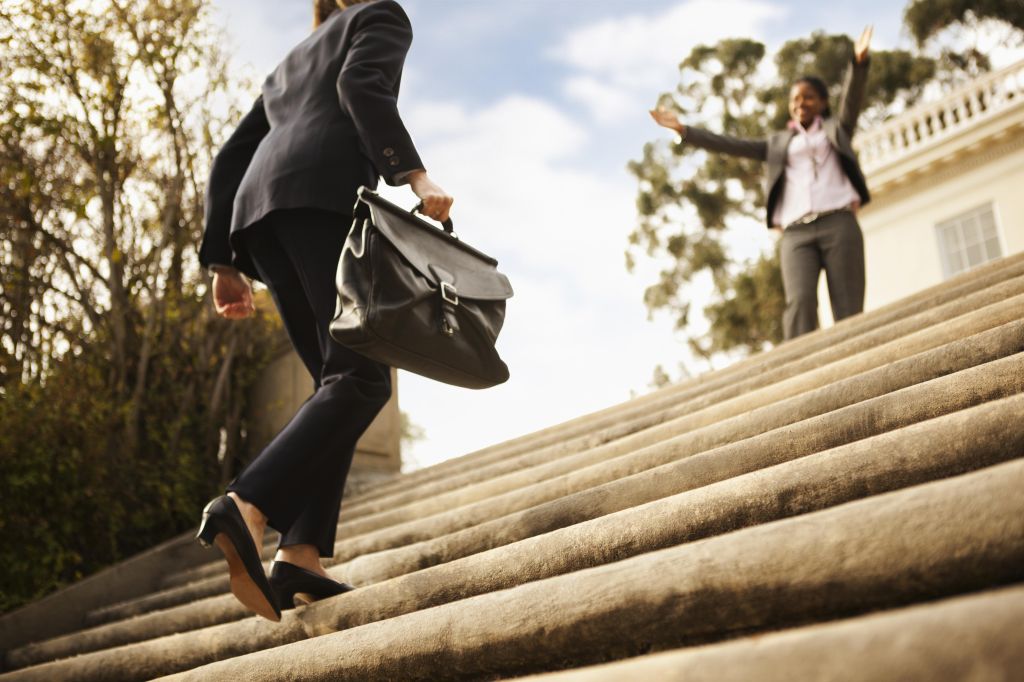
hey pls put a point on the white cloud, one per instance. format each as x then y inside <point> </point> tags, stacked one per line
<point>438,118</point>
<point>624,63</point>
<point>260,34</point>
<point>522,127</point>
<point>607,103</point>
<point>528,189</point>
<point>576,337</point>
<point>473,22</point>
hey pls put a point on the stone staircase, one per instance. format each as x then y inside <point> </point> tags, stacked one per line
<point>847,506</point>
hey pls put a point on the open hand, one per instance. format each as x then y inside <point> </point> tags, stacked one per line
<point>232,295</point>
<point>860,48</point>
<point>436,202</point>
<point>667,119</point>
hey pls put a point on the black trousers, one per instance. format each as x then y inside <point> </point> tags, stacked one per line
<point>298,479</point>
<point>833,242</point>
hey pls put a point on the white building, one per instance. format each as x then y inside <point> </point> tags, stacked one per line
<point>947,187</point>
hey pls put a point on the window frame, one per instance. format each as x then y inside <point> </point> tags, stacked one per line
<point>958,225</point>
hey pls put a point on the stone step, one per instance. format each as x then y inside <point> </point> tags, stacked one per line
<point>691,417</point>
<point>971,638</point>
<point>629,419</point>
<point>956,287</point>
<point>718,496</point>
<point>632,434</point>
<point>1002,303</point>
<point>956,332</point>
<point>65,610</point>
<point>923,543</point>
<point>775,412</point>
<point>670,468</point>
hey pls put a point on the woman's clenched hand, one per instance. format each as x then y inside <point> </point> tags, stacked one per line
<point>232,295</point>
<point>436,202</point>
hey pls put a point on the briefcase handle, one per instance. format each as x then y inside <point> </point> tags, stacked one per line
<point>448,225</point>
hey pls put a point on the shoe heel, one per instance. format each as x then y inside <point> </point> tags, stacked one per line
<point>207,531</point>
<point>285,599</point>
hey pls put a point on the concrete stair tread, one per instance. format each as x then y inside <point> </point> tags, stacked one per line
<point>992,274</point>
<point>730,494</point>
<point>704,591</point>
<point>962,353</point>
<point>960,638</point>
<point>868,467</point>
<point>927,338</point>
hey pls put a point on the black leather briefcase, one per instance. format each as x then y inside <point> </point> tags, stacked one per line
<point>416,297</point>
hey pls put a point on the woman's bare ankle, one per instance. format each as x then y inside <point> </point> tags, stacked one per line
<point>254,518</point>
<point>303,556</point>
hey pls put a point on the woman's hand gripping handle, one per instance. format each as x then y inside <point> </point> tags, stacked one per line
<point>436,202</point>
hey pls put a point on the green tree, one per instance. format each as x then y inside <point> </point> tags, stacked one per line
<point>122,396</point>
<point>687,198</point>
<point>926,18</point>
<point>953,26</point>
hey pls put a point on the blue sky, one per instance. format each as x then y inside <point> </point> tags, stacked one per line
<point>476,52</point>
<point>527,112</point>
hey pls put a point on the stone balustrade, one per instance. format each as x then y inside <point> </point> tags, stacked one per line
<point>931,123</point>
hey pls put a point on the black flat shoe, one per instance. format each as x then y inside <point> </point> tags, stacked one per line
<point>294,585</point>
<point>224,526</point>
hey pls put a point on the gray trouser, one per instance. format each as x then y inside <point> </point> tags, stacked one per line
<point>833,242</point>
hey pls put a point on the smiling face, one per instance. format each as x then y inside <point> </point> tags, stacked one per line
<point>805,102</point>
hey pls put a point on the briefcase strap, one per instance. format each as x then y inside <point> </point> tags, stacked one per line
<point>448,225</point>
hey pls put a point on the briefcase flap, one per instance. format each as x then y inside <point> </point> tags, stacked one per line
<point>430,250</point>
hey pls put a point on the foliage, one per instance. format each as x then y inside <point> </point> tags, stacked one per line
<point>122,396</point>
<point>926,18</point>
<point>72,500</point>
<point>685,202</point>
<point>687,199</point>
<point>410,432</point>
<point>685,207</point>
<point>738,321</point>
<point>957,22</point>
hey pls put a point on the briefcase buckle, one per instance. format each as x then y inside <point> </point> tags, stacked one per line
<point>449,293</point>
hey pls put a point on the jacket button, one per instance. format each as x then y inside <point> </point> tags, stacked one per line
<point>394,161</point>
<point>388,151</point>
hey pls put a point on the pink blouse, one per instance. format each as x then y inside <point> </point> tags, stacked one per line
<point>815,181</point>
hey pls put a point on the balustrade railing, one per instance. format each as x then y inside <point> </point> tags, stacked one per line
<point>927,124</point>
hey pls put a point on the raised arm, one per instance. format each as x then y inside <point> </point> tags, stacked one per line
<point>368,85</point>
<point>852,99</point>
<point>705,139</point>
<point>229,167</point>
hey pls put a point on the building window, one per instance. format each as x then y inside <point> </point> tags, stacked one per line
<point>968,240</point>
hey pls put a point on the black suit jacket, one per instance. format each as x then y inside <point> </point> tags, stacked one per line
<point>326,122</point>
<point>773,149</point>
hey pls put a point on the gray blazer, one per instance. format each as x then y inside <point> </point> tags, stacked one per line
<point>326,122</point>
<point>773,149</point>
